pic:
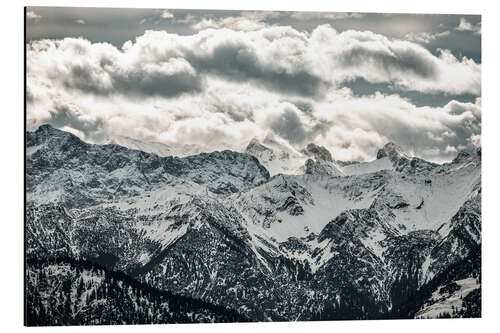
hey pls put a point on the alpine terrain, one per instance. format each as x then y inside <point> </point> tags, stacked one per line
<point>131,232</point>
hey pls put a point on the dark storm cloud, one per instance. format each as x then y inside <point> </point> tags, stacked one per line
<point>289,126</point>
<point>70,116</point>
<point>305,106</point>
<point>158,83</point>
<point>361,87</point>
<point>240,63</point>
<point>235,112</point>
<point>140,83</point>
<point>404,60</point>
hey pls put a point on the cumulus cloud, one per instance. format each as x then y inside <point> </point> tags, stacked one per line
<point>71,116</point>
<point>166,15</point>
<point>32,16</point>
<point>465,25</point>
<point>279,58</point>
<point>377,59</point>
<point>363,124</point>
<point>227,115</point>
<point>102,69</point>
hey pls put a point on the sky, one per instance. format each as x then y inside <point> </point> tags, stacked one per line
<point>348,81</point>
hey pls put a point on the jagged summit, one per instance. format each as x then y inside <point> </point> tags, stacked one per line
<point>467,154</point>
<point>47,129</point>
<point>79,173</point>
<point>318,152</point>
<point>322,167</point>
<point>392,151</point>
<point>52,137</point>
<point>255,146</point>
<point>254,141</point>
<point>216,226</point>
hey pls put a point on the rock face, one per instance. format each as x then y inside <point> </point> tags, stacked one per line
<point>279,158</point>
<point>467,154</point>
<point>392,151</point>
<point>318,152</point>
<point>363,241</point>
<point>276,156</point>
<point>62,168</point>
<point>322,167</point>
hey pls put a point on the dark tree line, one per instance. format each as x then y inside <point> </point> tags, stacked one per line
<point>467,267</point>
<point>66,291</point>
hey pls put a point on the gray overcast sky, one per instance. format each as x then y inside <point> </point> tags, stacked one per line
<point>349,81</point>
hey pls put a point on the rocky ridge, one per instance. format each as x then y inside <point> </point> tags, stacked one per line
<point>331,242</point>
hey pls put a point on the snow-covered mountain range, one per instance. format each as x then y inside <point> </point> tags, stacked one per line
<point>272,232</point>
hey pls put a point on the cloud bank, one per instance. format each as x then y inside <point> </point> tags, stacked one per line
<point>220,87</point>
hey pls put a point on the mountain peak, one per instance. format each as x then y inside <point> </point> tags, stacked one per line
<point>392,151</point>
<point>254,146</point>
<point>47,132</point>
<point>467,154</point>
<point>322,167</point>
<point>318,152</point>
<point>47,128</point>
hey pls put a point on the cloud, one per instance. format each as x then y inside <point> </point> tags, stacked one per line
<point>71,116</point>
<point>278,58</point>
<point>362,124</point>
<point>325,16</point>
<point>102,69</point>
<point>426,37</point>
<point>166,15</point>
<point>465,25</point>
<point>246,21</point>
<point>408,66</point>
<point>234,23</point>
<point>219,88</point>
<point>251,21</point>
<point>32,16</point>
<point>227,115</point>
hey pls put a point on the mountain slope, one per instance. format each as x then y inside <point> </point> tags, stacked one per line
<point>62,168</point>
<point>72,292</point>
<point>329,242</point>
<point>279,158</point>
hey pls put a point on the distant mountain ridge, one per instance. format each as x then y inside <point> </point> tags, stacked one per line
<point>327,240</point>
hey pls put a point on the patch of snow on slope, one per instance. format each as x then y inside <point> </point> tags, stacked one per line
<point>444,302</point>
<point>438,197</point>
<point>276,156</point>
<point>328,202</point>
<point>161,226</point>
